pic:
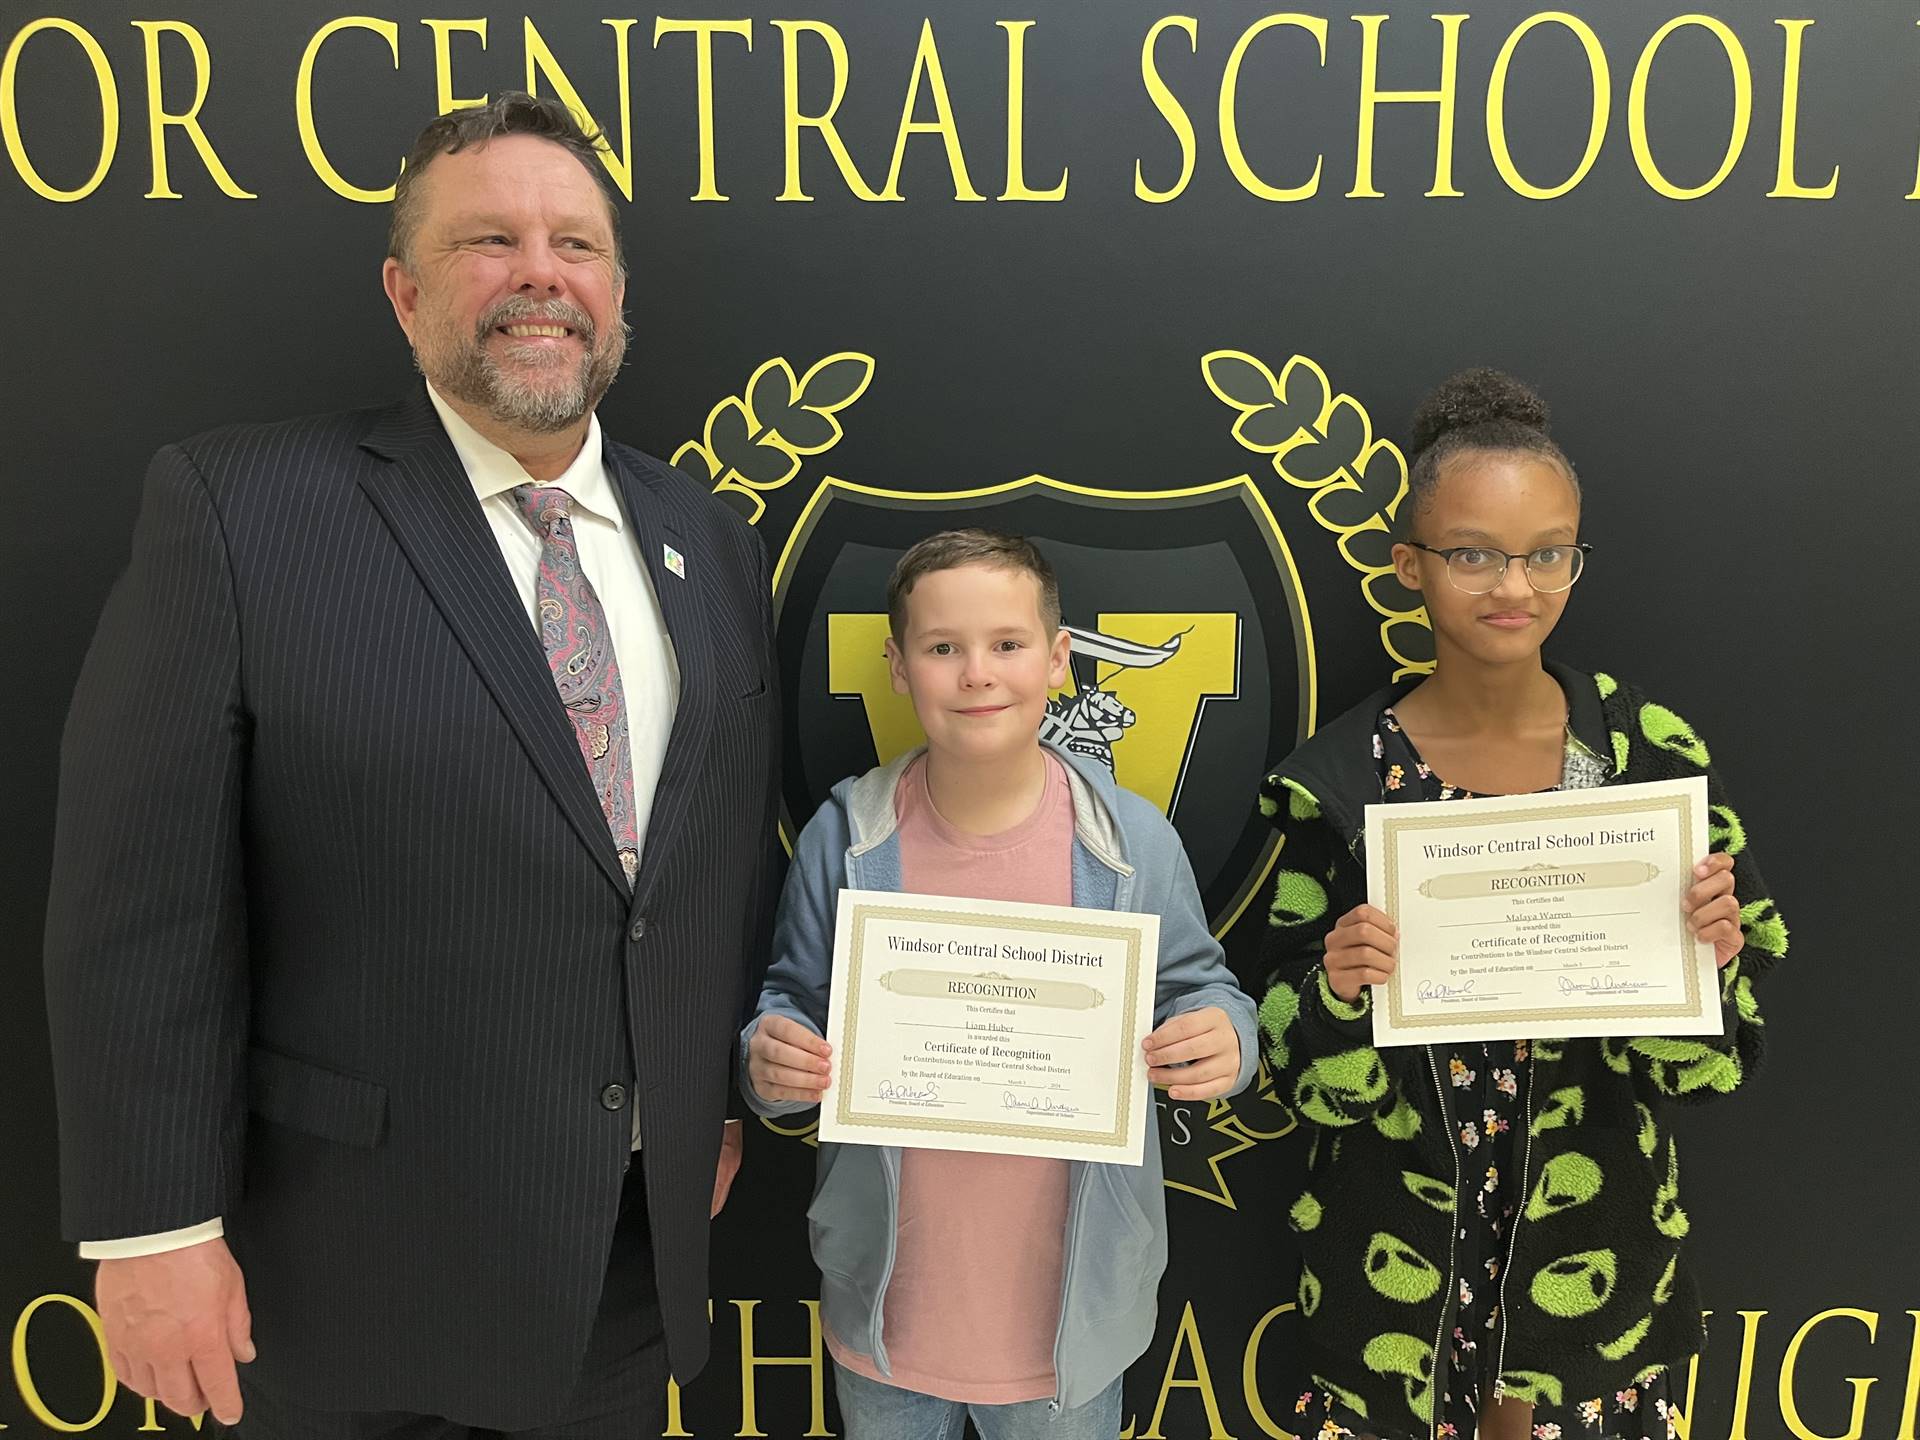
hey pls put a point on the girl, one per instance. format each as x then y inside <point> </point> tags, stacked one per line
<point>1491,1233</point>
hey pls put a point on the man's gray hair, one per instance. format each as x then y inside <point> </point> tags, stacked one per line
<point>513,113</point>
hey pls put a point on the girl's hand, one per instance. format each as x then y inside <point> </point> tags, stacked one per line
<point>1712,911</point>
<point>1362,949</point>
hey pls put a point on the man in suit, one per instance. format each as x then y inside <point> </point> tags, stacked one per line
<point>415,807</point>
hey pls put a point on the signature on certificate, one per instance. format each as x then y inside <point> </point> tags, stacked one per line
<point>1037,1104</point>
<point>903,1094</point>
<point>1604,985</point>
<point>1434,990</point>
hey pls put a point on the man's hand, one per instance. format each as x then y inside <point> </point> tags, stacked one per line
<point>1713,913</point>
<point>787,1061</point>
<point>175,1323</point>
<point>730,1141</point>
<point>1363,948</point>
<point>1209,1046</point>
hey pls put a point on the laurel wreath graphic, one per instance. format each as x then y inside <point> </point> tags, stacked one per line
<point>754,441</point>
<point>1323,443</point>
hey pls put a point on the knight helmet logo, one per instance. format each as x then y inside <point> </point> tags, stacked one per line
<point>1186,703</point>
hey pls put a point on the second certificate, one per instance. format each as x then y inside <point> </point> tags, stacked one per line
<point>1543,915</point>
<point>1010,1029</point>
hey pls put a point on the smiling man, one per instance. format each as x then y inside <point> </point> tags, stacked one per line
<point>396,940</point>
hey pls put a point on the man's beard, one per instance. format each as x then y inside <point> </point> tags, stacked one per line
<point>547,395</point>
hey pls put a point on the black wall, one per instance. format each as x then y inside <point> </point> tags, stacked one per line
<point>1731,373</point>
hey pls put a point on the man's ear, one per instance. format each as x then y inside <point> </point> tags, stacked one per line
<point>402,292</point>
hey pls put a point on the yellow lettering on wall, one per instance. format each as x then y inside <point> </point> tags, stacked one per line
<point>926,64</point>
<point>1599,106</point>
<point>676,1427</point>
<point>795,121</point>
<point>1785,185</point>
<point>703,32</point>
<point>1017,187</point>
<point>1790,1409</point>
<point>1372,97</point>
<point>1743,1387</point>
<point>303,104</point>
<point>151,1424</point>
<point>109,110</point>
<point>444,100</point>
<point>1742,106</point>
<point>1249,1378</point>
<point>542,64</point>
<point>23,1367</point>
<point>1315,26</point>
<point>1187,1337</point>
<point>159,119</point>
<point>750,1362</point>
<point>1175,114</point>
<point>1912,1402</point>
<point>1682,1415</point>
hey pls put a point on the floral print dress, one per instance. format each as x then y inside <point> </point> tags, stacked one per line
<point>1488,1108</point>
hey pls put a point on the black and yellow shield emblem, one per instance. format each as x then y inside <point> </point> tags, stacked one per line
<point>1193,664</point>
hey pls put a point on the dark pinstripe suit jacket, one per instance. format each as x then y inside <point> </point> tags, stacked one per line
<point>338,945</point>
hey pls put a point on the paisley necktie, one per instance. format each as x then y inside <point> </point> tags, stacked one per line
<point>573,628</point>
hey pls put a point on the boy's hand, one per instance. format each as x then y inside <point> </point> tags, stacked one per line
<point>1195,1055</point>
<point>1362,949</point>
<point>787,1061</point>
<point>1712,910</point>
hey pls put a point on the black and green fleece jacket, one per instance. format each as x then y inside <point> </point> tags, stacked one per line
<point>1595,1290</point>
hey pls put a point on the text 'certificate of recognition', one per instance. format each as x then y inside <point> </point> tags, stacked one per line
<point>1558,914</point>
<point>987,1026</point>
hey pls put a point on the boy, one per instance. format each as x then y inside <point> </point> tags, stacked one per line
<point>1014,1289</point>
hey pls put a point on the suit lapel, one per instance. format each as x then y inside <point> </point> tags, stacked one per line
<point>686,596</point>
<point>423,494</point>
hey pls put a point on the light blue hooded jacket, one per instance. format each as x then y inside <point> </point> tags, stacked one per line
<point>1125,857</point>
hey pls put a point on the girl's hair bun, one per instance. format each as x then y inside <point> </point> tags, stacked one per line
<point>1476,398</point>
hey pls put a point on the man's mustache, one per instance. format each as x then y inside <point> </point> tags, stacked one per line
<point>520,311</point>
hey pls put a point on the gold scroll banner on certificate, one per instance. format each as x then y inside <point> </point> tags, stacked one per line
<point>1593,942</point>
<point>1601,876</point>
<point>1000,1028</point>
<point>945,985</point>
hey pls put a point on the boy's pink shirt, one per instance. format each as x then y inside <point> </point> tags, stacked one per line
<point>974,1302</point>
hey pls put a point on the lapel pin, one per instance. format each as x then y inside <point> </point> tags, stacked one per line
<point>676,562</point>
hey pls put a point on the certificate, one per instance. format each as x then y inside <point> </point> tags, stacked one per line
<point>1548,915</point>
<point>974,1025</point>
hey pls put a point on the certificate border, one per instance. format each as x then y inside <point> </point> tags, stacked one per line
<point>844,1113</point>
<point>1391,829</point>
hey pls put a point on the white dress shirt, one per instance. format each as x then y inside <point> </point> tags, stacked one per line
<point>642,650</point>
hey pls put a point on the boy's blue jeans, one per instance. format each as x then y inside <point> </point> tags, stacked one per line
<point>870,1410</point>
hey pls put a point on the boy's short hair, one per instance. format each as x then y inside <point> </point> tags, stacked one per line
<point>951,549</point>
